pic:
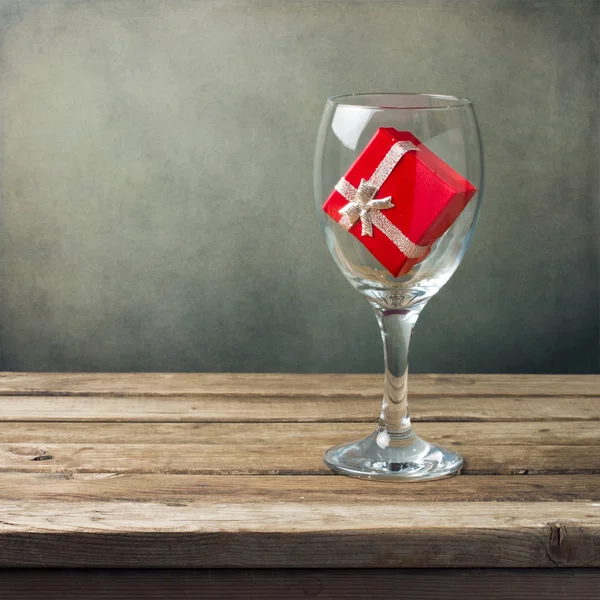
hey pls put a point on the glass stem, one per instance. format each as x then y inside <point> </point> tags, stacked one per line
<point>396,328</point>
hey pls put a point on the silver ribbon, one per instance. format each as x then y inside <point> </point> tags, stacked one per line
<point>363,205</point>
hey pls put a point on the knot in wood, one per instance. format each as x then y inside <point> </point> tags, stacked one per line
<point>558,548</point>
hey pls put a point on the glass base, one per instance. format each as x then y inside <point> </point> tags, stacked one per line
<point>385,457</point>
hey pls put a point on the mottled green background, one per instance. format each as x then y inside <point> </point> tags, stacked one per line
<point>157,209</point>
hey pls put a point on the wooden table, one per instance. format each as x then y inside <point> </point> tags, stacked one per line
<point>223,475</point>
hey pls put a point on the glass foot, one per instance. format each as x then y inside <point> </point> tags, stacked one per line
<point>383,457</point>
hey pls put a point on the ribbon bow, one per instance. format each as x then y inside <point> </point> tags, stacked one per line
<point>363,206</point>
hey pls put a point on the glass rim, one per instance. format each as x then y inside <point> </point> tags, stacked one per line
<point>450,101</point>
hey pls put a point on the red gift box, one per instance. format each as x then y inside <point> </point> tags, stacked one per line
<point>398,198</point>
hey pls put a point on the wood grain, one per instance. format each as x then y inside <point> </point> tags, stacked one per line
<point>209,409</point>
<point>300,584</point>
<point>571,433</point>
<point>269,384</point>
<point>275,458</point>
<point>203,470</point>
<point>75,487</point>
<point>295,534</point>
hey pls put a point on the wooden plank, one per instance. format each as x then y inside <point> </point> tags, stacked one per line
<point>300,584</point>
<point>293,534</point>
<point>269,384</point>
<point>181,471</point>
<point>208,409</point>
<point>75,487</point>
<point>271,459</point>
<point>458,434</point>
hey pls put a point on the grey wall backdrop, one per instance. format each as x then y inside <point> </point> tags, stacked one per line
<point>144,141</point>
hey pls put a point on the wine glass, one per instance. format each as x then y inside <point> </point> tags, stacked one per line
<point>443,129</point>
